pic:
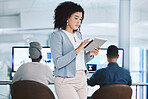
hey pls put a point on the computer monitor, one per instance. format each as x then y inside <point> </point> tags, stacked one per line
<point>100,60</point>
<point>20,55</point>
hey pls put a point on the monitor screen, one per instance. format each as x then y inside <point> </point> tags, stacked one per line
<point>20,55</point>
<point>100,60</point>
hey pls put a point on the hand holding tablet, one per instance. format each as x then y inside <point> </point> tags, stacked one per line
<point>95,43</point>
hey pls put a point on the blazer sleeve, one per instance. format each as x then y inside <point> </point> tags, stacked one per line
<point>87,57</point>
<point>59,59</point>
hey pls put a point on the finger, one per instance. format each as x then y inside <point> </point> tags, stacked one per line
<point>86,40</point>
<point>96,49</point>
<point>99,47</point>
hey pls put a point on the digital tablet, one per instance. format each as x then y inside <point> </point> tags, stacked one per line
<point>95,43</point>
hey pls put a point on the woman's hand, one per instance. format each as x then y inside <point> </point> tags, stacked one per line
<point>94,52</point>
<point>81,46</point>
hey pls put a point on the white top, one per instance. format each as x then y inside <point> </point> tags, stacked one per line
<point>80,64</point>
<point>34,71</point>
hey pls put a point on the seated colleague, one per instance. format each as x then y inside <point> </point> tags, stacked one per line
<point>34,70</point>
<point>112,74</point>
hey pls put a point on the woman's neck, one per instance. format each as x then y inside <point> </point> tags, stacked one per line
<point>70,30</point>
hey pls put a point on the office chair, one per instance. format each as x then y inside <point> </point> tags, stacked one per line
<point>26,89</point>
<point>113,91</point>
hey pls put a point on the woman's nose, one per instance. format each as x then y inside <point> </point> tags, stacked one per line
<point>79,21</point>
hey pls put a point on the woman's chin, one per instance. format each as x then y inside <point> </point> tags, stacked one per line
<point>75,29</point>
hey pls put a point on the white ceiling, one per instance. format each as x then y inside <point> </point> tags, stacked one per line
<point>14,7</point>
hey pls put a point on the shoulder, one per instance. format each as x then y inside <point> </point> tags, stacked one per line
<point>56,32</point>
<point>124,70</point>
<point>56,36</point>
<point>23,65</point>
<point>21,68</point>
<point>47,67</point>
<point>100,71</point>
<point>44,65</point>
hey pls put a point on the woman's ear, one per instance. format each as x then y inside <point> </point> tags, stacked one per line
<point>118,56</point>
<point>106,55</point>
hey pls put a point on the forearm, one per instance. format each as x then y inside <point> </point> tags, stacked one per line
<point>63,60</point>
<point>88,57</point>
<point>90,82</point>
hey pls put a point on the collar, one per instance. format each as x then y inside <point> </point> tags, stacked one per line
<point>113,64</point>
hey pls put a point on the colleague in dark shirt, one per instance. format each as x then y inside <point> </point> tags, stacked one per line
<point>112,74</point>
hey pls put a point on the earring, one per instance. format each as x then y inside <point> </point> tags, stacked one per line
<point>67,22</point>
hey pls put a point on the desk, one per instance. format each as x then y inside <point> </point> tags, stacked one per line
<point>6,82</point>
<point>9,82</point>
<point>139,84</point>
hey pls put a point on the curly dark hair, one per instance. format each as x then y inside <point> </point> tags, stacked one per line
<point>63,12</point>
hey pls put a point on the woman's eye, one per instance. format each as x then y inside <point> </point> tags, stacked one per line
<point>76,18</point>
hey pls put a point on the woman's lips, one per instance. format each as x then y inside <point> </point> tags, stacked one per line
<point>77,25</point>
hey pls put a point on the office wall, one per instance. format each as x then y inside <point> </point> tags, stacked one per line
<point>36,19</point>
<point>95,14</point>
<point>10,21</point>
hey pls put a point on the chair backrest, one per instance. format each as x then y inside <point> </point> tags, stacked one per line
<point>26,89</point>
<point>113,91</point>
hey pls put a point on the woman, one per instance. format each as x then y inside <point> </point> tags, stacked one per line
<point>67,52</point>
